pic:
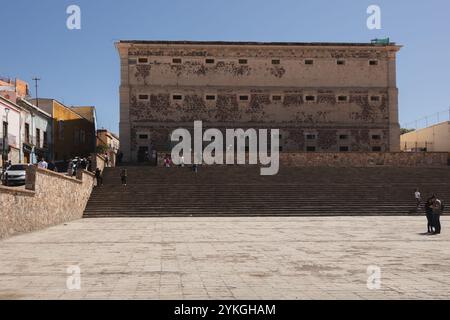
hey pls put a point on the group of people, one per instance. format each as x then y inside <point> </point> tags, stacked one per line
<point>77,164</point>
<point>434,207</point>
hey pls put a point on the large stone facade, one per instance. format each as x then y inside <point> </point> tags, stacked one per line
<point>324,97</point>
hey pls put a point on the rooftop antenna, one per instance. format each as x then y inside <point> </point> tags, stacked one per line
<point>35,79</point>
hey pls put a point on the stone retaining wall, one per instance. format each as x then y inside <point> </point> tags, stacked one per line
<point>48,199</point>
<point>364,159</point>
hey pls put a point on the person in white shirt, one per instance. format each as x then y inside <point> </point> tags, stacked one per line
<point>418,197</point>
<point>43,164</point>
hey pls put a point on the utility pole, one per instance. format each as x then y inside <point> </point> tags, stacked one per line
<point>35,79</point>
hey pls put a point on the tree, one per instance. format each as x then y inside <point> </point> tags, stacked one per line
<point>405,130</point>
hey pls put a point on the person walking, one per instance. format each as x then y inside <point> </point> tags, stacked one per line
<point>98,177</point>
<point>437,211</point>
<point>123,177</point>
<point>418,198</point>
<point>429,214</point>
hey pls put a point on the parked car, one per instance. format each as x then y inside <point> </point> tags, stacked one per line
<point>15,175</point>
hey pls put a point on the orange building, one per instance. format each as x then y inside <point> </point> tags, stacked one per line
<point>73,133</point>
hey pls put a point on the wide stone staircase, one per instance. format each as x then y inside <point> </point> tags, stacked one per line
<point>241,191</point>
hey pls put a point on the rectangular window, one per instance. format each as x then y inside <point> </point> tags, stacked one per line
<point>243,61</point>
<point>142,60</point>
<point>143,136</point>
<point>309,62</point>
<point>373,62</point>
<point>61,130</point>
<point>310,98</point>
<point>376,149</point>
<point>209,61</point>
<point>342,98</point>
<point>38,138</point>
<point>340,62</point>
<point>177,97</point>
<point>344,149</point>
<point>343,137</point>
<point>243,98</point>
<point>277,98</point>
<point>376,137</point>
<point>311,137</point>
<point>143,97</point>
<point>311,149</point>
<point>5,129</point>
<point>210,97</point>
<point>27,133</point>
<point>276,61</point>
<point>375,98</point>
<point>176,60</point>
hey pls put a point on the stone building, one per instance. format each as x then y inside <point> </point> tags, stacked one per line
<point>324,97</point>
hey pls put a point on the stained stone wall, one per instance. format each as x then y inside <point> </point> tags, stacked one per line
<point>49,199</point>
<point>153,73</point>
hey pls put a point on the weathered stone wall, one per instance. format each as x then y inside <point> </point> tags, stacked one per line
<point>49,199</point>
<point>351,95</point>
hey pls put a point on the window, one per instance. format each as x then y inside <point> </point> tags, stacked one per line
<point>143,97</point>
<point>340,62</point>
<point>311,137</point>
<point>243,98</point>
<point>27,133</point>
<point>275,61</point>
<point>61,130</point>
<point>344,149</point>
<point>38,138</point>
<point>5,129</point>
<point>243,61</point>
<point>210,97</point>
<point>143,136</point>
<point>176,60</point>
<point>177,97</point>
<point>373,62</point>
<point>277,98</point>
<point>376,137</point>
<point>82,136</point>
<point>343,137</point>
<point>209,61</point>
<point>310,98</point>
<point>309,62</point>
<point>375,98</point>
<point>311,149</point>
<point>376,149</point>
<point>142,60</point>
<point>45,142</point>
<point>342,98</point>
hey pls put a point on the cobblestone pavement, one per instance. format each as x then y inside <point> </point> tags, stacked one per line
<point>229,258</point>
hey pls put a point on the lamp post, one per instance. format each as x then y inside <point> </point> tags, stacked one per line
<point>5,140</point>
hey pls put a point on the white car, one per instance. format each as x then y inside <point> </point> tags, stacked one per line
<point>15,175</point>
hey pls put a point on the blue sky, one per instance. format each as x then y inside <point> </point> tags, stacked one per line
<point>81,67</point>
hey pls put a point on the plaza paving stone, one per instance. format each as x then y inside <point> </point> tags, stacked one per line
<point>229,258</point>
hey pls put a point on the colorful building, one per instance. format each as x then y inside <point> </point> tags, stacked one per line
<point>73,134</point>
<point>108,143</point>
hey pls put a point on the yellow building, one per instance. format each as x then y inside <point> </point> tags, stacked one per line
<point>108,143</point>
<point>73,134</point>
<point>432,139</point>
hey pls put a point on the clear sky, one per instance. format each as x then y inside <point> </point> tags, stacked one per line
<point>81,67</point>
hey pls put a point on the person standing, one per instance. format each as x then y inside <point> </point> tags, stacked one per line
<point>418,198</point>
<point>429,214</point>
<point>437,211</point>
<point>123,177</point>
<point>98,177</point>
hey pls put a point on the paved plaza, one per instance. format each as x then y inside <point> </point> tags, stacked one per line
<point>229,258</point>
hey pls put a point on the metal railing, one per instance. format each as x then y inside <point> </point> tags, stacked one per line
<point>429,120</point>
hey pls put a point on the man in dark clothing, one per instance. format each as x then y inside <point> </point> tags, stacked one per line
<point>123,177</point>
<point>98,177</point>
<point>429,213</point>
<point>437,211</point>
